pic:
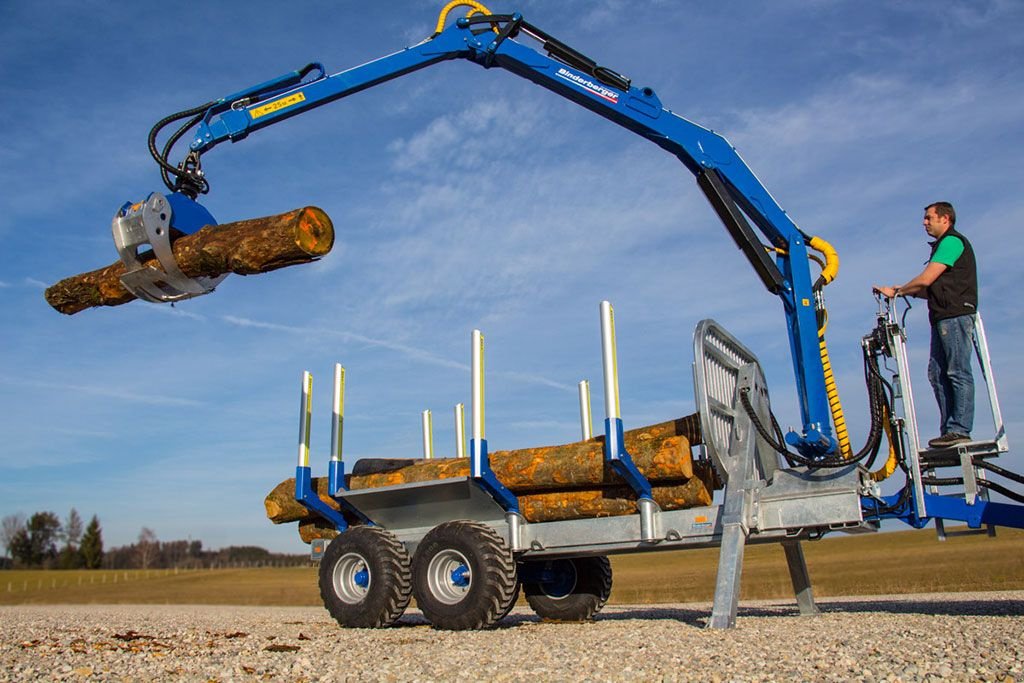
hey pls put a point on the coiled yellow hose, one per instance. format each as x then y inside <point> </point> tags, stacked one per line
<point>831,269</point>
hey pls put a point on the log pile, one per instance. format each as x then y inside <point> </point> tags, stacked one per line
<point>258,245</point>
<point>552,483</point>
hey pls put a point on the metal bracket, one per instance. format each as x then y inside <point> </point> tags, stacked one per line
<point>970,481</point>
<point>149,223</point>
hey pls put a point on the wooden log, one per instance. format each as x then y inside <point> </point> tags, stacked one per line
<point>661,452</point>
<point>282,507</point>
<point>611,501</point>
<point>576,504</point>
<point>257,245</point>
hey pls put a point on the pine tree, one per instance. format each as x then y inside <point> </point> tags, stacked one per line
<point>92,545</point>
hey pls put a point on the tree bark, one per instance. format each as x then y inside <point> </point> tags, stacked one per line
<point>257,245</point>
<point>661,452</point>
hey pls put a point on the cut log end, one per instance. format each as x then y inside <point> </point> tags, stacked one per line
<point>315,234</point>
<point>257,245</point>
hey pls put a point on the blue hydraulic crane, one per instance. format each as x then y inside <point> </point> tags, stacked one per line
<point>493,40</point>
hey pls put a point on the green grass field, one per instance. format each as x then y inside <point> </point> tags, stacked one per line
<point>896,562</point>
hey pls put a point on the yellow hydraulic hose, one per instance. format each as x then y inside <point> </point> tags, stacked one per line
<point>831,269</point>
<point>842,435</point>
<point>477,8</point>
<point>889,467</point>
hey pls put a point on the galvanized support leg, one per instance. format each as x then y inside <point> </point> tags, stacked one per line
<point>730,560</point>
<point>800,577</point>
<point>742,464</point>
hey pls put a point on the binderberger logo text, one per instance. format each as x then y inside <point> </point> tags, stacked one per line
<point>589,85</point>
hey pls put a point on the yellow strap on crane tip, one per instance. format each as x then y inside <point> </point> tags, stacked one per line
<point>476,8</point>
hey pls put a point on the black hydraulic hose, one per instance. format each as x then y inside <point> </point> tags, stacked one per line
<point>1001,489</point>
<point>984,483</point>
<point>876,386</point>
<point>880,394</point>
<point>942,481</point>
<point>996,469</point>
<point>897,505</point>
<point>777,443</point>
<point>171,142</point>
<point>167,167</point>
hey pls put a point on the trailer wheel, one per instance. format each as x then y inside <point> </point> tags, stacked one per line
<point>511,603</point>
<point>572,589</point>
<point>463,576</point>
<point>364,578</point>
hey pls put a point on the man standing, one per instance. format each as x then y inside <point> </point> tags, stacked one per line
<point>950,283</point>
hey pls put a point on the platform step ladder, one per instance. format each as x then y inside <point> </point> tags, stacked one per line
<point>928,462</point>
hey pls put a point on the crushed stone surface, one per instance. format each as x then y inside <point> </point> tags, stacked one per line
<point>935,637</point>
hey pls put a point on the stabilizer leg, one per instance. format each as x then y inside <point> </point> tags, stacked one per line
<point>730,568</point>
<point>800,577</point>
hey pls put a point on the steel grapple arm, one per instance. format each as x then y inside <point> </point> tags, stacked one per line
<point>490,40</point>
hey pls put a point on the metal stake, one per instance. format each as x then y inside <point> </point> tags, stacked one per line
<point>305,417</point>
<point>615,450</point>
<point>428,435</point>
<point>460,430</point>
<point>586,420</point>
<point>477,405</point>
<point>335,468</point>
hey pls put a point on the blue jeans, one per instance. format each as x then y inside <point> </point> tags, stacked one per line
<point>949,371</point>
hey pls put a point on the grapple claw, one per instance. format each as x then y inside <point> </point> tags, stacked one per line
<point>150,223</point>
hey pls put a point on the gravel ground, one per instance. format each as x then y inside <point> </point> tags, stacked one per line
<point>961,637</point>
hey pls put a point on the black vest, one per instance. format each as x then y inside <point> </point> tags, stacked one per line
<point>955,292</point>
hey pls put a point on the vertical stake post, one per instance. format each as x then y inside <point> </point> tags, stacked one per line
<point>303,479</point>
<point>479,467</point>
<point>336,468</point>
<point>305,417</point>
<point>460,430</point>
<point>428,435</point>
<point>586,419</point>
<point>478,442</point>
<point>614,448</point>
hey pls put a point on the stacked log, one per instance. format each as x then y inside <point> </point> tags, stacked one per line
<point>570,481</point>
<point>257,245</point>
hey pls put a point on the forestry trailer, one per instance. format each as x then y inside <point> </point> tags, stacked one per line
<point>461,545</point>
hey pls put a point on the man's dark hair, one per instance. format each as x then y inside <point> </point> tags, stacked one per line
<point>944,209</point>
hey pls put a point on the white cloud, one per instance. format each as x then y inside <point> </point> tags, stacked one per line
<point>97,390</point>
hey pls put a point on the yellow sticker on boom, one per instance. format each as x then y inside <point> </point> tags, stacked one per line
<point>277,105</point>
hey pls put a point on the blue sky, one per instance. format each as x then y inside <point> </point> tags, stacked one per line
<point>465,198</point>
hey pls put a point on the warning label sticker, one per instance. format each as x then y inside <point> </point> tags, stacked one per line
<point>277,105</point>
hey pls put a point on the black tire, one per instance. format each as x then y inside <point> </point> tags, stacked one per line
<point>463,576</point>
<point>365,579</point>
<point>580,588</point>
<point>511,603</point>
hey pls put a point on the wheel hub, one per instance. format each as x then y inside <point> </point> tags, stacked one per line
<point>449,576</point>
<point>351,578</point>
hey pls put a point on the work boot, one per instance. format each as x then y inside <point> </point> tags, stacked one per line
<point>948,440</point>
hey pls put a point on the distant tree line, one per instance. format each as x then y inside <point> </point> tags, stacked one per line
<point>44,541</point>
